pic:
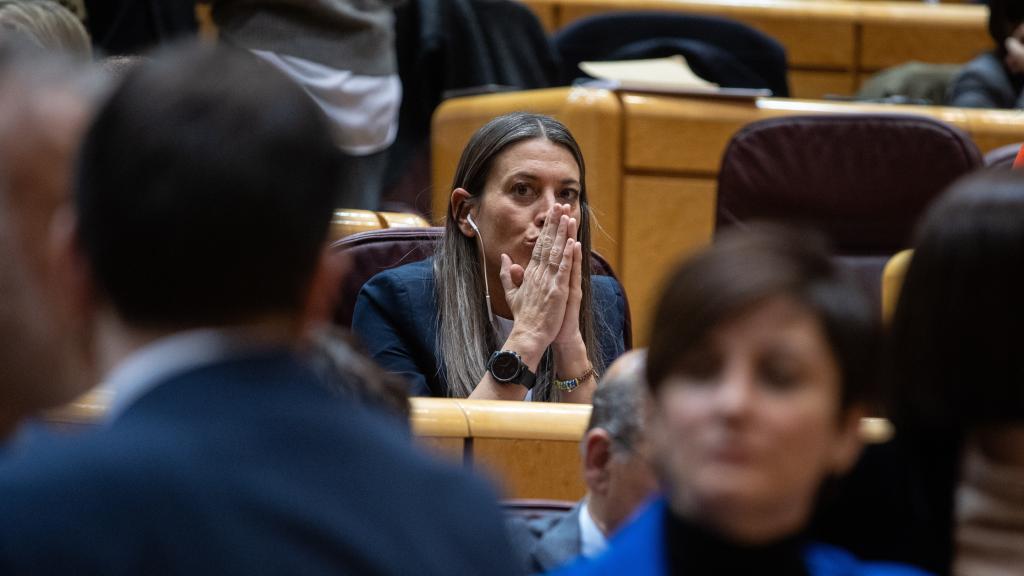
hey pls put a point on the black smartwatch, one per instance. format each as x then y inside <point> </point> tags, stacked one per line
<point>508,367</point>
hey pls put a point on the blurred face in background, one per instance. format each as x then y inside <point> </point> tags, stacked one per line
<point>44,111</point>
<point>748,426</point>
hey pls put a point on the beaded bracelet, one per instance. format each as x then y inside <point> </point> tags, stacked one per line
<point>571,384</point>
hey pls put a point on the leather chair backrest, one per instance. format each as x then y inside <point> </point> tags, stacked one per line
<point>374,251</point>
<point>729,53</point>
<point>861,179</point>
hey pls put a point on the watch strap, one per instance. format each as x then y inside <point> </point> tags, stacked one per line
<point>523,376</point>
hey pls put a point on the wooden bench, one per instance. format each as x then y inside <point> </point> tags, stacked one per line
<point>530,450</point>
<point>346,222</point>
<point>833,46</point>
<point>653,163</point>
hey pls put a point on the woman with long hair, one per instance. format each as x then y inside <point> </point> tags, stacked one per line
<point>957,379</point>
<point>507,309</point>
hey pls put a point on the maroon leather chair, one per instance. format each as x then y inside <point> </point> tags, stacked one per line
<point>374,251</point>
<point>863,180</point>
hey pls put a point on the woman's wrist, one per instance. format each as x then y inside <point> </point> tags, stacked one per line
<point>571,358</point>
<point>528,347</point>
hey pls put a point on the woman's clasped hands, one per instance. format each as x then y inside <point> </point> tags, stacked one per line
<point>545,296</point>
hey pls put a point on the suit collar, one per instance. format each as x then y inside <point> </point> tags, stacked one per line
<point>169,357</point>
<point>561,543</point>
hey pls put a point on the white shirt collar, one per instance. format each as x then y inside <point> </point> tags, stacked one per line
<point>592,541</point>
<point>156,362</point>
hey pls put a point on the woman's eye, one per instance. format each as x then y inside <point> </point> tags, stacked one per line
<point>522,190</point>
<point>780,378</point>
<point>569,195</point>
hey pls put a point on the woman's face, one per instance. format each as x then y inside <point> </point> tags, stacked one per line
<point>749,425</point>
<point>526,179</point>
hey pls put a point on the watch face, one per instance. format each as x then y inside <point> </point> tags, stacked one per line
<point>505,366</point>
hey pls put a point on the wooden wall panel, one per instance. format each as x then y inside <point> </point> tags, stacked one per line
<point>665,219</point>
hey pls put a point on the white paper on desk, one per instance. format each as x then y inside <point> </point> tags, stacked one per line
<point>660,73</point>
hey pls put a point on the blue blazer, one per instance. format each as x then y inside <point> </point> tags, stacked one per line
<point>396,320</point>
<point>248,466</point>
<point>639,550</point>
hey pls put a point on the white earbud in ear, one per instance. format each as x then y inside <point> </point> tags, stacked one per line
<point>483,266</point>
<point>469,219</point>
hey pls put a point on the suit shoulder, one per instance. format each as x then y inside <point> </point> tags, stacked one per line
<point>421,271</point>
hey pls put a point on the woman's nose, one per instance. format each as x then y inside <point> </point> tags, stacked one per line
<point>543,207</point>
<point>735,395</point>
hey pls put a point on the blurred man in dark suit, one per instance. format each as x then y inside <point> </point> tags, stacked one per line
<point>202,201</point>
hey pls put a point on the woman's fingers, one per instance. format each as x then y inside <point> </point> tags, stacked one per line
<point>542,249</point>
<point>576,284</point>
<point>564,273</point>
<point>573,228</point>
<point>505,274</point>
<point>561,236</point>
<point>517,274</point>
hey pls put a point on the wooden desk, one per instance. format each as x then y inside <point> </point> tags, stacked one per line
<point>345,221</point>
<point>655,163</point>
<point>530,449</point>
<point>832,46</point>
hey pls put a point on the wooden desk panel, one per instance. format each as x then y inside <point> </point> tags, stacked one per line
<point>688,135</point>
<point>449,449</point>
<point>530,420</point>
<point>991,129</point>
<point>896,32</point>
<point>531,468</point>
<point>531,450</point>
<point>438,418</point>
<point>808,84</point>
<point>346,222</point>
<point>667,219</point>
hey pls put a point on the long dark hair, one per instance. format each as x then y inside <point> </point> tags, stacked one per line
<point>465,337</point>
<point>953,357</point>
<point>1003,17</point>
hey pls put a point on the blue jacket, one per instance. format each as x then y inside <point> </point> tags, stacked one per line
<point>639,550</point>
<point>396,319</point>
<point>247,466</point>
